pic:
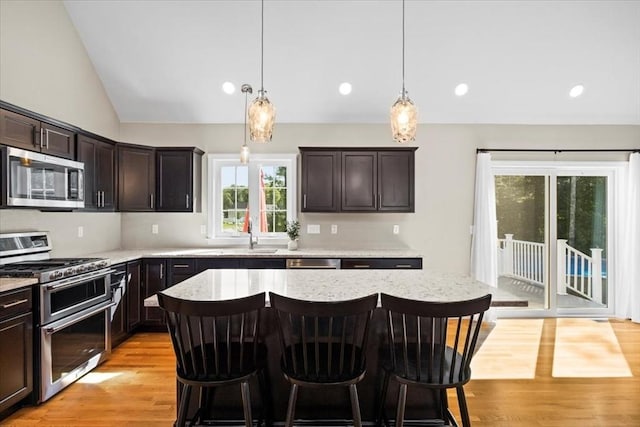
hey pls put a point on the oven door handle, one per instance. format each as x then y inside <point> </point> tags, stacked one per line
<point>72,281</point>
<point>73,319</point>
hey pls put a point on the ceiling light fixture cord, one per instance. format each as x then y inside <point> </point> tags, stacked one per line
<point>403,90</point>
<point>262,48</point>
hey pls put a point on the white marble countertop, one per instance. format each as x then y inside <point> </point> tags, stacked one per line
<point>124,255</point>
<point>11,283</point>
<point>333,285</point>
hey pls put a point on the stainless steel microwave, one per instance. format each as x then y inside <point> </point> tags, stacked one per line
<point>31,179</point>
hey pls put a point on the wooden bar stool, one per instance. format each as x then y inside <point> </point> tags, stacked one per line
<point>430,345</point>
<point>323,344</point>
<point>217,343</point>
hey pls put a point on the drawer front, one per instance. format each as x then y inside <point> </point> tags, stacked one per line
<point>182,266</point>
<point>381,263</point>
<point>13,303</point>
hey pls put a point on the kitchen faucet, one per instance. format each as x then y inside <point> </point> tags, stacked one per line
<point>250,231</point>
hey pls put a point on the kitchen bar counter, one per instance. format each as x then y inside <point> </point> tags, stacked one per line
<point>328,285</point>
<point>334,285</point>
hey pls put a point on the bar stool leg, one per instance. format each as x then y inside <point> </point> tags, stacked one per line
<point>184,404</point>
<point>464,411</point>
<point>293,396</point>
<point>355,405</point>
<point>246,403</point>
<point>382,397</point>
<point>402,401</point>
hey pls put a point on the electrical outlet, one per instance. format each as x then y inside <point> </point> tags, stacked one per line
<point>396,229</point>
<point>334,229</point>
<point>313,228</point>
<point>203,230</point>
<point>154,229</point>
<point>80,231</point>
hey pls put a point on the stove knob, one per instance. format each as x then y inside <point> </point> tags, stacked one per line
<point>56,275</point>
<point>91,266</point>
<point>81,268</point>
<point>102,263</point>
<point>69,272</point>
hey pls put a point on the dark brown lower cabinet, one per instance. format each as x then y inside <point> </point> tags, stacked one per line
<point>16,348</point>
<point>154,280</point>
<point>127,315</point>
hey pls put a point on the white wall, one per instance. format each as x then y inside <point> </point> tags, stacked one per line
<point>445,170</point>
<point>45,68</point>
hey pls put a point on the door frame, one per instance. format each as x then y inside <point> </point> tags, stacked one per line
<point>551,170</point>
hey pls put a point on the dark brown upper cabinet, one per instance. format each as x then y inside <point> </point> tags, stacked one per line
<point>358,179</point>
<point>99,158</point>
<point>320,181</point>
<point>179,173</point>
<point>31,134</point>
<point>136,178</point>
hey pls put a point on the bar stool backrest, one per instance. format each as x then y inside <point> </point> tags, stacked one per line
<point>215,340</point>
<point>433,342</point>
<point>323,342</point>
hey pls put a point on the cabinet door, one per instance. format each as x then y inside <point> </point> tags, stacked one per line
<point>19,131</point>
<point>320,181</point>
<point>86,153</point>
<point>154,281</point>
<point>136,179</point>
<point>16,359</point>
<point>175,180</point>
<point>396,181</point>
<point>105,175</point>
<point>359,181</point>
<point>134,295</point>
<point>57,141</point>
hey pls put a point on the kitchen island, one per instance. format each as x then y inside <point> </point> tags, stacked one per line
<point>328,285</point>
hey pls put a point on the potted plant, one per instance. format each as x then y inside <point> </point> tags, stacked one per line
<point>293,231</point>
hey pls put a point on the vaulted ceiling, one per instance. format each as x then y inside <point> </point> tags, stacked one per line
<point>166,61</point>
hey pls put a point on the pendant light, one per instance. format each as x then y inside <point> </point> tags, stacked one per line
<point>404,115</point>
<point>244,150</point>
<point>262,113</point>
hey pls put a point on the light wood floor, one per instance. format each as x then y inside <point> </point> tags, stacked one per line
<point>142,392</point>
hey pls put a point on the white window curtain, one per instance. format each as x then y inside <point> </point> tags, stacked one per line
<point>627,301</point>
<point>484,243</point>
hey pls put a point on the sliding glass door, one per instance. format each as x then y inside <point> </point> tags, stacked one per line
<point>554,234</point>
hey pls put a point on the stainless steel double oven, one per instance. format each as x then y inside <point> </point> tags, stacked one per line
<point>73,303</point>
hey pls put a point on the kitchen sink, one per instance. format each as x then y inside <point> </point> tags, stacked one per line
<point>248,251</point>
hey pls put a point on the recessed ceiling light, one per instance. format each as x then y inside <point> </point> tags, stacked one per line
<point>461,89</point>
<point>576,91</point>
<point>345,88</point>
<point>228,88</point>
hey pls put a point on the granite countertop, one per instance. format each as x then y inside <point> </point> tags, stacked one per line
<point>333,285</point>
<point>11,283</point>
<point>124,255</point>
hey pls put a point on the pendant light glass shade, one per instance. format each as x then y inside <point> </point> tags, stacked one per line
<point>244,154</point>
<point>262,117</point>
<point>404,119</point>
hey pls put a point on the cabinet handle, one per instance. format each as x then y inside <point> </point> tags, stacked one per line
<point>361,266</point>
<point>187,197</point>
<point>13,304</point>
<point>161,271</point>
<point>97,198</point>
<point>379,200</point>
<point>181,266</point>
<point>304,201</point>
<point>41,137</point>
<point>102,197</point>
<point>403,266</point>
<point>151,198</point>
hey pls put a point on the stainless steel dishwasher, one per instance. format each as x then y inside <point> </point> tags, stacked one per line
<point>314,263</point>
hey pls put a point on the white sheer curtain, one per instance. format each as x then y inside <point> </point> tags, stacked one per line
<point>627,302</point>
<point>484,243</point>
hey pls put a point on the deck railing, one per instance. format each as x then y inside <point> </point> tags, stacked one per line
<point>580,273</point>
<point>521,259</point>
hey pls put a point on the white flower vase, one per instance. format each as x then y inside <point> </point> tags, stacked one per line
<point>292,245</point>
